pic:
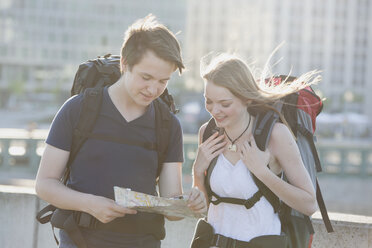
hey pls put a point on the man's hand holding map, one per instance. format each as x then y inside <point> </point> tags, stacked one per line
<point>176,206</point>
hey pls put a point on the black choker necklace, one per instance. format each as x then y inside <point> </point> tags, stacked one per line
<point>232,146</point>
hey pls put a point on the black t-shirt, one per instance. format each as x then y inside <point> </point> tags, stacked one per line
<point>100,164</point>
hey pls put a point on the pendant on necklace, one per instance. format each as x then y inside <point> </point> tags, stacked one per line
<point>232,147</point>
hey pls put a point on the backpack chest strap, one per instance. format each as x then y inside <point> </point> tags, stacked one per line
<point>248,203</point>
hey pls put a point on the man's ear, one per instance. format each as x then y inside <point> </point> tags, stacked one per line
<point>123,65</point>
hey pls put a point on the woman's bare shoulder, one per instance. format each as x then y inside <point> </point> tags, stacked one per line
<point>280,136</point>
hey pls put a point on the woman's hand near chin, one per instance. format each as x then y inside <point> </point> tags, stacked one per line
<point>255,159</point>
<point>208,150</point>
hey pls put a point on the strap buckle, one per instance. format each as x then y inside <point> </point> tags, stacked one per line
<point>223,242</point>
<point>232,243</point>
<point>85,220</point>
<point>253,200</point>
<point>249,203</point>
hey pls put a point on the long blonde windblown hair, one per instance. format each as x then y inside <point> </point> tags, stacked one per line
<point>233,73</point>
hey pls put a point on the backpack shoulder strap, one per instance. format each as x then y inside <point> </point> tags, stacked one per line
<point>248,203</point>
<point>211,126</point>
<point>163,127</point>
<point>262,128</point>
<point>169,101</point>
<point>263,125</point>
<point>319,197</point>
<point>164,106</point>
<point>323,209</point>
<point>91,106</point>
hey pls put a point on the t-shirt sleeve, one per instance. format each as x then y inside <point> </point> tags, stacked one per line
<point>175,147</point>
<point>63,124</point>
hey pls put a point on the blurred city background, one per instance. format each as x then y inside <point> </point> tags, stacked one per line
<point>42,43</point>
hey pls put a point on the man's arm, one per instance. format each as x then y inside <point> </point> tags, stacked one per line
<point>170,185</point>
<point>170,182</point>
<point>50,188</point>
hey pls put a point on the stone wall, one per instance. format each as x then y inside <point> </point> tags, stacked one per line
<point>20,229</point>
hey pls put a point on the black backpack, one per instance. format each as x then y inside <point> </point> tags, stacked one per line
<point>300,110</point>
<point>90,80</point>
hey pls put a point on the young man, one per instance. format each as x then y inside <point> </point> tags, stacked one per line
<point>149,55</point>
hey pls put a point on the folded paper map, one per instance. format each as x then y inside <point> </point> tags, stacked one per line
<point>176,206</point>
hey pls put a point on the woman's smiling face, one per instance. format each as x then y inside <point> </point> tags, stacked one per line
<point>224,107</point>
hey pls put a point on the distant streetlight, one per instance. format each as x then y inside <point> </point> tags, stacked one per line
<point>349,96</point>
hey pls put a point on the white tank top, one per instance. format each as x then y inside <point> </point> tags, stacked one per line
<point>235,221</point>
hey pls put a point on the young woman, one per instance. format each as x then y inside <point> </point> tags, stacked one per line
<point>230,93</point>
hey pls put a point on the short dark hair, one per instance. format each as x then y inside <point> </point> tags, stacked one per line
<point>147,34</point>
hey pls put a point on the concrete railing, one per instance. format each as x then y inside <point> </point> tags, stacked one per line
<point>337,158</point>
<point>20,150</point>
<point>19,228</point>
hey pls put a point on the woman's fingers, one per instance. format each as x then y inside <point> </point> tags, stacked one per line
<point>218,140</point>
<point>194,193</point>
<point>214,139</point>
<point>213,146</point>
<point>243,148</point>
<point>211,138</point>
<point>251,141</point>
<point>219,148</point>
<point>210,148</point>
<point>201,207</point>
<point>217,144</point>
<point>196,201</point>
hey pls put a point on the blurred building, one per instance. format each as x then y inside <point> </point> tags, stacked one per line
<point>334,36</point>
<point>43,41</point>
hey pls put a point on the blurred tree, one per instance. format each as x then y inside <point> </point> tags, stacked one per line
<point>17,87</point>
<point>4,97</point>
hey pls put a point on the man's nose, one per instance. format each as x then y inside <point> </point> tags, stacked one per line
<point>151,88</point>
